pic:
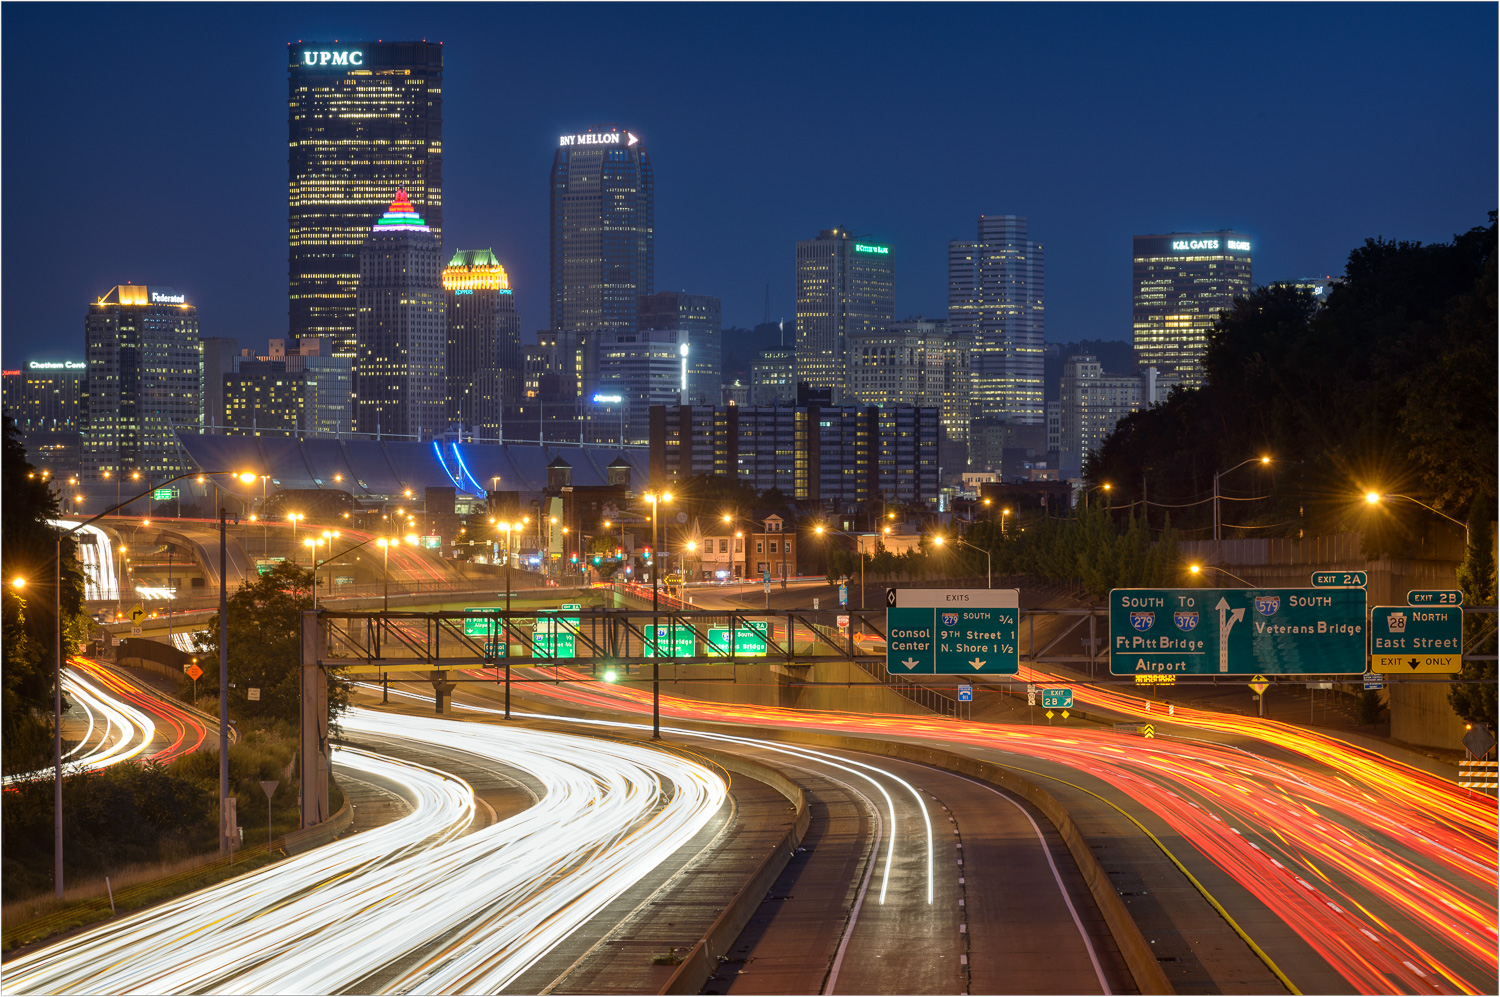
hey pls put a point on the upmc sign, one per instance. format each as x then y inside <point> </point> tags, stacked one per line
<point>329,58</point>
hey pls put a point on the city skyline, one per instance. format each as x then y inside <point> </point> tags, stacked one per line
<point>1089,188</point>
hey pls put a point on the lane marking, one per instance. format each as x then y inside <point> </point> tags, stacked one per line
<point>1056,876</point>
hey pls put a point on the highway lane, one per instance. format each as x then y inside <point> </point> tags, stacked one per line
<point>1344,882</point>
<point>936,883</point>
<point>419,901</point>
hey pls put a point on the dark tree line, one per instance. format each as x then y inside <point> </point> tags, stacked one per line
<point>1390,387</point>
<point>28,548</point>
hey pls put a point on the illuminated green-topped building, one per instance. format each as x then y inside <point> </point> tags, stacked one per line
<point>485,360</point>
<point>845,286</point>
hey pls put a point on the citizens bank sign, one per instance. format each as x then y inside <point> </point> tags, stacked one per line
<point>333,58</point>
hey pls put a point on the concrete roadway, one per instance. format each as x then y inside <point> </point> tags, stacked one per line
<point>1001,907</point>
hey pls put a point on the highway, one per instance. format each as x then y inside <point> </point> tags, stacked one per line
<point>1357,873</point>
<point>912,880</point>
<point>421,903</point>
<point>112,720</point>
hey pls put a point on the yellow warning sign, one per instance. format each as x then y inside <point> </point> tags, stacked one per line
<point>1259,685</point>
<point>1148,731</point>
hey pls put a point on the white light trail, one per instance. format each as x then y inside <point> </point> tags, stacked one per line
<point>459,914</point>
<point>127,730</point>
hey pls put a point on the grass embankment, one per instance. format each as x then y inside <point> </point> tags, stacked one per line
<point>152,829</point>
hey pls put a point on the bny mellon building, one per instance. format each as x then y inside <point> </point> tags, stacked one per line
<point>603,196</point>
<point>363,119</point>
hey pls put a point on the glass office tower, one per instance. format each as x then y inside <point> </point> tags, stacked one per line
<point>846,286</point>
<point>1182,281</point>
<point>995,292</point>
<point>603,239</point>
<point>485,358</point>
<point>363,119</point>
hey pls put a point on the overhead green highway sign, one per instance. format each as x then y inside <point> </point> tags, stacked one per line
<point>1406,640</point>
<point>953,632</point>
<point>748,640</point>
<point>1339,579</point>
<point>1312,631</point>
<point>675,642</point>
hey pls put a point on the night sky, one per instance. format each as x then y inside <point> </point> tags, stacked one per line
<point>146,143</point>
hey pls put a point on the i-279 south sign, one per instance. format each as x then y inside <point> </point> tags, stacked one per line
<point>1237,631</point>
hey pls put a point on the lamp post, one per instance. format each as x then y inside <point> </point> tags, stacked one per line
<point>1106,487</point>
<point>1197,569</point>
<point>827,529</point>
<point>1220,474</point>
<point>655,500</point>
<point>57,842</point>
<point>294,517</point>
<point>1003,514</point>
<point>988,561</point>
<point>1375,498</point>
<point>509,529</point>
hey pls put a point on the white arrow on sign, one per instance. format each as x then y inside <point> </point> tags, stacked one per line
<point>910,662</point>
<point>1233,617</point>
<point>976,663</point>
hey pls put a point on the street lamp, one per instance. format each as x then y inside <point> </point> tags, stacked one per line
<point>820,530</point>
<point>988,561</point>
<point>1375,498</point>
<point>1195,569</point>
<point>1106,487</point>
<point>1220,474</point>
<point>1003,514</point>
<point>655,500</point>
<point>509,529</point>
<point>57,810</point>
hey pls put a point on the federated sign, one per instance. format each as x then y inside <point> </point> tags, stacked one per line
<point>1407,640</point>
<point>1237,631</point>
<point>953,632</point>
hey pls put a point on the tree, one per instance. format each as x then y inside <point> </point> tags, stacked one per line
<point>265,650</point>
<point>28,545</point>
<point>1476,579</point>
<point>1389,387</point>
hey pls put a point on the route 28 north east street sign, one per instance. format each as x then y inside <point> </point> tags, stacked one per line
<point>1311,631</point>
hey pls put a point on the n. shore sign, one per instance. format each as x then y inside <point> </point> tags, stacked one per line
<point>1311,631</point>
<point>953,632</point>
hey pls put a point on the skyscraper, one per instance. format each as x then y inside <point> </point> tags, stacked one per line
<point>697,315</point>
<point>995,289</point>
<point>1182,281</point>
<point>364,118</point>
<point>398,376</point>
<point>141,346</point>
<point>845,286</point>
<point>485,361</point>
<point>603,240</point>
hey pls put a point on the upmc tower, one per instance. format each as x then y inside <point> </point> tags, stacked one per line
<point>364,119</point>
<point>603,239</point>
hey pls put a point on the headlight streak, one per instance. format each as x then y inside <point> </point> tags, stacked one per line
<point>1455,832</point>
<point>127,730</point>
<point>834,761</point>
<point>498,899</point>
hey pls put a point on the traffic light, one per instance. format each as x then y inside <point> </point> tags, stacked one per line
<point>596,558</point>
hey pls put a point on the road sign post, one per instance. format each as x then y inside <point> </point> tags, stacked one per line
<point>953,632</point>
<point>1237,631</point>
<point>1416,639</point>
<point>1057,699</point>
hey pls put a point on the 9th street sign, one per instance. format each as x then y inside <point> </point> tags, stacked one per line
<point>953,632</point>
<point>1237,631</point>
